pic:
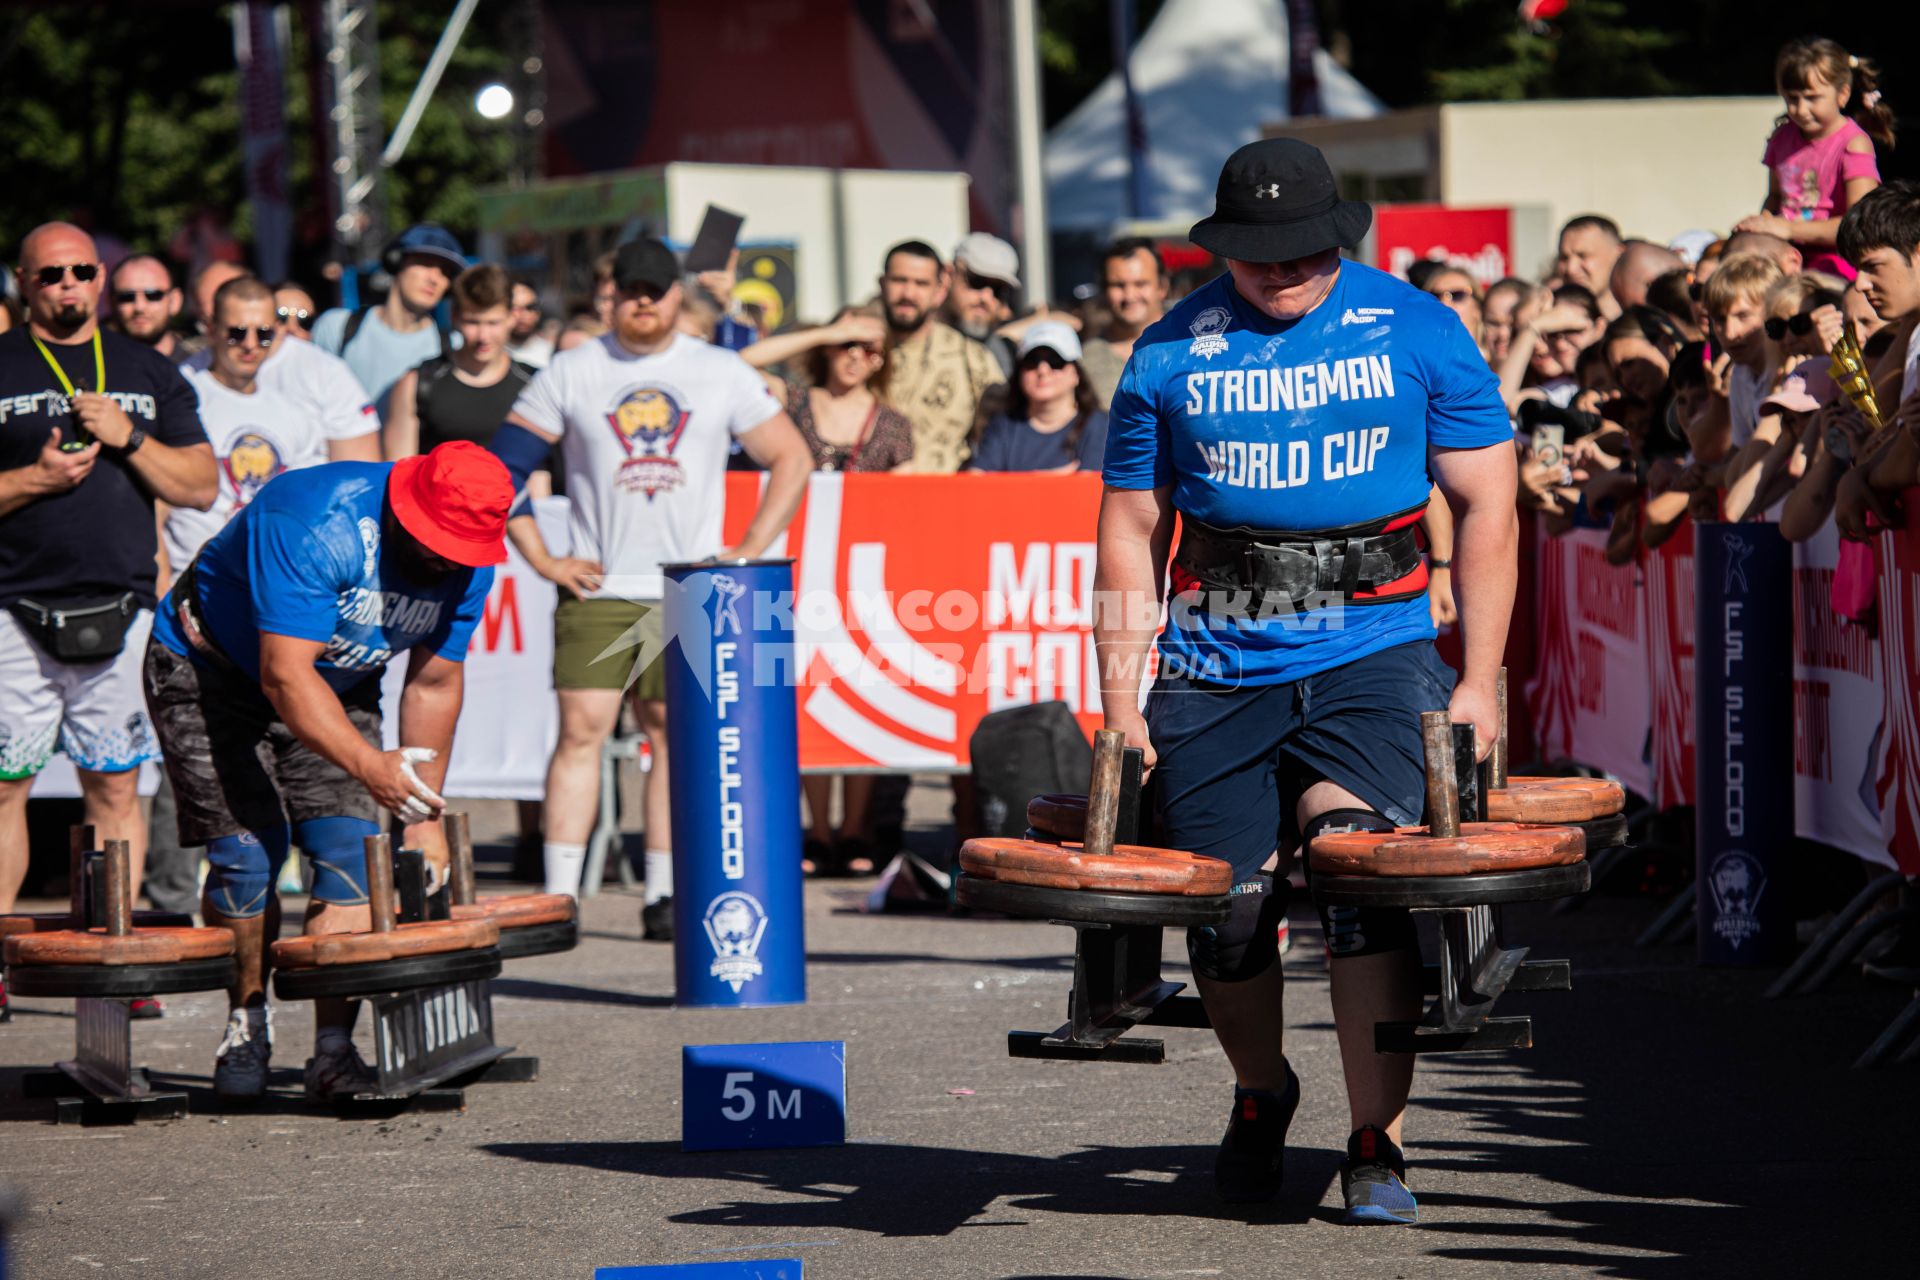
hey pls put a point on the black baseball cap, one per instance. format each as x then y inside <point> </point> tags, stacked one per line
<point>1277,201</point>
<point>646,262</point>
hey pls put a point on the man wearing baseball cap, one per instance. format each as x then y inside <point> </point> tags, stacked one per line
<point>986,282</point>
<point>263,681</point>
<point>381,343</point>
<point>1296,412</point>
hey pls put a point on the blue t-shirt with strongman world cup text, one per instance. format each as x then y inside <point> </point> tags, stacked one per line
<point>1314,423</point>
<point>306,559</point>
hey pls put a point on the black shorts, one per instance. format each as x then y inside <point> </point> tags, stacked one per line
<point>1234,761</point>
<point>235,767</point>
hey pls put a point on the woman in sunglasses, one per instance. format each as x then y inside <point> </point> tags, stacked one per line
<point>1051,421</point>
<point>296,311</point>
<point>1461,293</point>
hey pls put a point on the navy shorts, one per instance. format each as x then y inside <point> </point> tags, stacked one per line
<point>1234,761</point>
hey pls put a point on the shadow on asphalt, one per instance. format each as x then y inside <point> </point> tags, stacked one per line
<point>567,993</point>
<point>904,1190</point>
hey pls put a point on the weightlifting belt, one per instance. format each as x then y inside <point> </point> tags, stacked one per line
<point>193,627</point>
<point>1377,562</point>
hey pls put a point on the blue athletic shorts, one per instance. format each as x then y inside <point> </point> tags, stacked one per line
<point>1234,761</point>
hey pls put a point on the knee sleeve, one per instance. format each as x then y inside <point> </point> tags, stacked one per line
<point>339,852</point>
<point>1247,943</point>
<point>1360,931</point>
<point>240,870</point>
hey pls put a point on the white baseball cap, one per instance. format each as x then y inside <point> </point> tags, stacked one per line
<point>1055,335</point>
<point>989,256</point>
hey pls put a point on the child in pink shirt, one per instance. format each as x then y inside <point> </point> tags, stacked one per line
<point>1821,158</point>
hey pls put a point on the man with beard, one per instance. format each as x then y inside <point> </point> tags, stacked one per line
<point>938,374</point>
<point>93,428</point>
<point>644,417</point>
<point>985,282</point>
<point>525,342</point>
<point>145,303</point>
<point>1133,282</point>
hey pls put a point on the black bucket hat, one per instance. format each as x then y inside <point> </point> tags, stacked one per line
<point>1276,201</point>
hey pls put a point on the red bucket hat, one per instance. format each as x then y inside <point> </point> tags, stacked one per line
<point>454,500</point>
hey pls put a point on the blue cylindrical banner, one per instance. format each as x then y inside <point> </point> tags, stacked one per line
<point>1743,753</point>
<point>733,758</point>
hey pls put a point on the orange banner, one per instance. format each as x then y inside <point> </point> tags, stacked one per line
<point>924,602</point>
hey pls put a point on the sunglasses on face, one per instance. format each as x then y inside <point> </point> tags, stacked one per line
<point>298,316</point>
<point>1044,360</point>
<point>237,335</point>
<point>1453,297</point>
<point>1778,327</point>
<point>863,348</point>
<point>982,282</point>
<point>51,276</point>
<point>125,296</point>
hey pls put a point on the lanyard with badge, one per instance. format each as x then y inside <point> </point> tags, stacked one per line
<point>82,438</point>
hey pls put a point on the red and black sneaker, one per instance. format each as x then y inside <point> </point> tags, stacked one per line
<point>1374,1180</point>
<point>1252,1158</point>
<point>146,1007</point>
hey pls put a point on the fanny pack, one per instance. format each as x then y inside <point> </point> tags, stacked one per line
<point>1352,564</point>
<point>91,629</point>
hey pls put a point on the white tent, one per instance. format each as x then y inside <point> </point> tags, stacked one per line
<point>1209,74</point>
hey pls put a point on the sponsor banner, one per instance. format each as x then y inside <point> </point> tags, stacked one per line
<point>1898,788</point>
<point>1590,695</point>
<point>1478,241</point>
<point>1838,710</point>
<point>1744,707</point>
<point>1670,652</point>
<point>728,640</point>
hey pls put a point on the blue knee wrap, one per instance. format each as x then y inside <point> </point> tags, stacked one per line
<point>339,852</point>
<point>241,870</point>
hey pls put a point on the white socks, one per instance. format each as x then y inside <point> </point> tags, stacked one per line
<point>659,873</point>
<point>563,867</point>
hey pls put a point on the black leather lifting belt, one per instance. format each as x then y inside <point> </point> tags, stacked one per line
<point>1298,565</point>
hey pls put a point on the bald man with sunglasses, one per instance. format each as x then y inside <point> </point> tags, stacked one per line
<point>94,428</point>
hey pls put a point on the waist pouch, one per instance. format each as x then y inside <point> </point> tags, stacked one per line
<point>1351,565</point>
<point>89,629</point>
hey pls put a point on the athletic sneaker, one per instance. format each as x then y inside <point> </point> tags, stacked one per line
<point>656,920</point>
<point>1374,1180</point>
<point>240,1064</point>
<point>1253,1153</point>
<point>338,1073</point>
<point>146,1007</point>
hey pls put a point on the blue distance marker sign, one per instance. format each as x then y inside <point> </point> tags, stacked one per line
<point>1743,736</point>
<point>768,1269</point>
<point>737,1096</point>
<point>733,741</point>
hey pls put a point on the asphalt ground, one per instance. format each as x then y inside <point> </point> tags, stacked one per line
<point>1669,1122</point>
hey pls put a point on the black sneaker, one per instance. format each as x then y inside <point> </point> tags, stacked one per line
<point>1252,1156</point>
<point>656,921</point>
<point>1374,1180</point>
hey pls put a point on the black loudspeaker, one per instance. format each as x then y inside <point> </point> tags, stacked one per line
<point>1023,752</point>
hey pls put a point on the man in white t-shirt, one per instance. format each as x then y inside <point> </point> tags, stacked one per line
<point>644,417</point>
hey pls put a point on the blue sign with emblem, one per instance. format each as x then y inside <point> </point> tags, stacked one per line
<point>1743,736</point>
<point>768,1269</point>
<point>736,1096</point>
<point>733,738</point>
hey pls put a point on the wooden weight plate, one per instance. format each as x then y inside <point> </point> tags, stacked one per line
<point>427,938</point>
<point>51,921</point>
<point>142,946</point>
<point>1060,815</point>
<point>1554,800</point>
<point>519,910</point>
<point>1479,848</point>
<point>1128,869</point>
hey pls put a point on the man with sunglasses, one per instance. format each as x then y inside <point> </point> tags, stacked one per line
<point>643,416</point>
<point>145,303</point>
<point>94,427</point>
<point>296,310</point>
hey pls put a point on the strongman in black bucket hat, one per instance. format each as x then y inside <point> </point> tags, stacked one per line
<point>1299,398</point>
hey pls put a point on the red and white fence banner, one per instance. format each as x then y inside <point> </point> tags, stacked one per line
<point>1838,710</point>
<point>1591,697</point>
<point>1898,788</point>
<point>1670,652</point>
